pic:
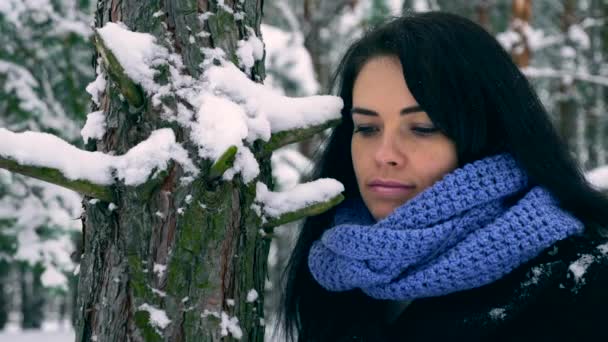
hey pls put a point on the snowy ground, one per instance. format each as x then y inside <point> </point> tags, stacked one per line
<point>50,332</point>
<point>62,332</point>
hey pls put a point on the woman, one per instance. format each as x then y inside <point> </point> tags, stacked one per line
<point>465,217</point>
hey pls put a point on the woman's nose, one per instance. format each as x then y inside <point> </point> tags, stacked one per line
<point>389,152</point>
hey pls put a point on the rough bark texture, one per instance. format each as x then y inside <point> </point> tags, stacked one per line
<point>205,232</point>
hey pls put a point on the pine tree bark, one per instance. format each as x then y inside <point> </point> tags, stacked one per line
<point>205,233</point>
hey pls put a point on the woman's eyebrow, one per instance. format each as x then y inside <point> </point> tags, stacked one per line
<point>365,111</point>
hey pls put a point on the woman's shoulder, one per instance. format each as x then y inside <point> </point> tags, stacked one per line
<point>582,258</point>
<point>562,293</point>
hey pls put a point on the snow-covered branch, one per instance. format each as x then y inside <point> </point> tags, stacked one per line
<point>276,119</point>
<point>51,159</point>
<point>280,139</point>
<point>313,198</point>
<point>553,73</point>
<point>598,177</point>
<point>54,176</point>
<point>127,86</point>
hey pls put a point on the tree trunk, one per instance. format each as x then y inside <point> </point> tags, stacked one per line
<point>32,295</point>
<point>521,16</point>
<point>193,251</point>
<point>4,298</point>
<point>570,120</point>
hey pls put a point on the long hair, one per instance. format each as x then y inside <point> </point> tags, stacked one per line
<point>474,93</point>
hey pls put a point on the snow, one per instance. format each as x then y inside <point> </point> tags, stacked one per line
<point>497,313</point>
<point>224,7</point>
<point>229,108</point>
<point>282,112</point>
<point>136,52</point>
<point>249,51</point>
<point>230,325</point>
<point>536,273</point>
<point>286,57</point>
<point>220,124</point>
<point>577,34</point>
<point>569,74</point>
<point>95,127</point>
<point>50,206</point>
<point>288,166</point>
<point>98,86</point>
<point>603,249</point>
<point>53,278</point>
<point>252,296</point>
<point>158,318</point>
<point>598,177</point>
<point>579,267</point>
<point>159,269</point>
<point>134,167</point>
<point>46,335</point>
<point>275,204</point>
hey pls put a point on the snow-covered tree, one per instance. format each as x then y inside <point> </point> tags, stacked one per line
<point>179,200</point>
<point>44,66</point>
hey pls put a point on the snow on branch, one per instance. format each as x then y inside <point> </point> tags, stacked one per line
<point>224,111</point>
<point>130,58</point>
<point>598,177</point>
<point>553,73</point>
<point>283,138</point>
<point>313,198</point>
<point>46,157</point>
<point>282,112</point>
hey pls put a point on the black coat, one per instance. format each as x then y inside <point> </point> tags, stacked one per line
<point>562,295</point>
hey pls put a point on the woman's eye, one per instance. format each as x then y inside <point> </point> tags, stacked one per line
<point>424,131</point>
<point>365,130</point>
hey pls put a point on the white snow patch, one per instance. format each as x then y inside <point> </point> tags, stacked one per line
<point>158,292</point>
<point>95,127</point>
<point>252,296</point>
<point>249,51</point>
<point>230,325</point>
<point>603,248</point>
<point>288,58</point>
<point>97,87</point>
<point>53,278</point>
<point>497,313</point>
<point>158,317</point>
<point>275,204</point>
<point>230,302</point>
<point>159,269</point>
<point>577,34</point>
<point>579,267</point>
<point>136,52</point>
<point>536,273</point>
<point>598,177</point>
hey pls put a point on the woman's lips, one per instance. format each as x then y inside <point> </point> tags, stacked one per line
<point>387,188</point>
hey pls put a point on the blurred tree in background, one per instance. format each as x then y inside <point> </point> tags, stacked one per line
<point>45,65</point>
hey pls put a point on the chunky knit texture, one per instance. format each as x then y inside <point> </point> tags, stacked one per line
<point>463,232</point>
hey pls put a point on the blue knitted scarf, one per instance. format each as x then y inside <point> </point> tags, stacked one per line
<point>469,229</point>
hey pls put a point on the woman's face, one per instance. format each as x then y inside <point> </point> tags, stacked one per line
<point>397,152</point>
